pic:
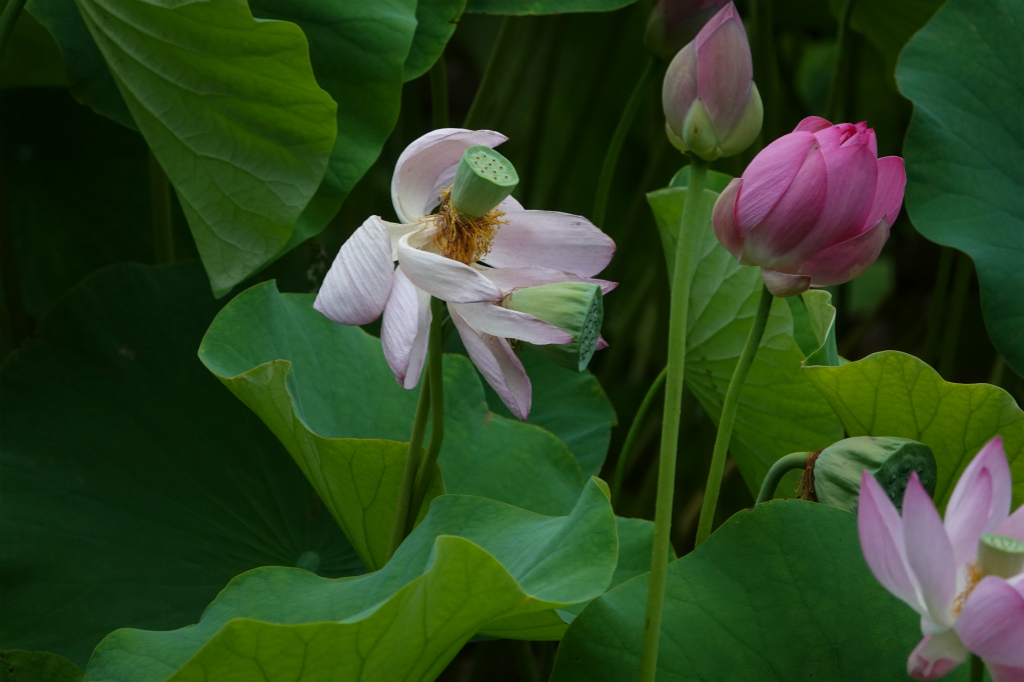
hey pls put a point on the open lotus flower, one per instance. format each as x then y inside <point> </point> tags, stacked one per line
<point>962,575</point>
<point>470,263</point>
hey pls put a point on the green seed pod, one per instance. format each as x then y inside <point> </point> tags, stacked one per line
<point>838,468</point>
<point>483,179</point>
<point>576,307</point>
<point>1000,555</point>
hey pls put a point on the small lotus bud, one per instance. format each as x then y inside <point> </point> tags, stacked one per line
<point>712,107</point>
<point>483,179</point>
<point>576,307</point>
<point>837,470</point>
<point>674,23</point>
<point>1000,555</point>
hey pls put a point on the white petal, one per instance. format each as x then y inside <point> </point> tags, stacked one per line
<point>405,330</point>
<point>428,164</point>
<point>499,366</point>
<point>548,239</point>
<point>443,277</point>
<point>398,230</point>
<point>359,281</point>
<point>493,319</point>
<point>509,279</point>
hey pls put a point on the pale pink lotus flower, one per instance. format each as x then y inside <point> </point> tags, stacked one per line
<point>516,248</point>
<point>933,566</point>
<point>814,208</point>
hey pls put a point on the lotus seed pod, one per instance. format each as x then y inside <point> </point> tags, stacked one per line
<point>837,470</point>
<point>576,307</point>
<point>1000,555</point>
<point>483,179</point>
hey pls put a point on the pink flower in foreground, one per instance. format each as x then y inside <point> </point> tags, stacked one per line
<point>472,265</point>
<point>814,208</point>
<point>962,575</point>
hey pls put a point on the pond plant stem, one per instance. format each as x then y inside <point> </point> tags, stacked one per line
<point>435,381</point>
<point>977,668</point>
<point>690,228</point>
<point>732,396</point>
<point>491,81</point>
<point>782,466</point>
<point>622,463</point>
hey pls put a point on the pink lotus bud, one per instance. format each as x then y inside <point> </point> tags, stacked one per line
<point>673,23</point>
<point>712,107</point>
<point>814,208</point>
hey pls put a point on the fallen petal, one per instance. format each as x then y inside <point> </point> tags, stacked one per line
<point>356,287</point>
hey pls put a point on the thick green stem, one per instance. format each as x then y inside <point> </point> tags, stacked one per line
<point>161,215</point>
<point>611,156</point>
<point>634,430</point>
<point>491,81</point>
<point>977,668</point>
<point>782,466</point>
<point>957,302</point>
<point>836,106</point>
<point>412,465</point>
<point>435,377</point>
<point>937,309</point>
<point>689,230</point>
<point>732,396</point>
<point>7,20</point>
<point>439,92</point>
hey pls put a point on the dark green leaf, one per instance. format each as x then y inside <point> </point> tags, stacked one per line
<point>435,22</point>
<point>520,7</point>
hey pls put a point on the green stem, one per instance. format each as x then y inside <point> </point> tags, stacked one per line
<point>836,106</point>
<point>7,21</point>
<point>689,230</point>
<point>634,431</point>
<point>782,466</point>
<point>933,339</point>
<point>435,376</point>
<point>611,156</point>
<point>732,396</point>
<point>161,214</point>
<point>439,92</point>
<point>490,83</point>
<point>995,375</point>
<point>412,464</point>
<point>977,668</point>
<point>766,68</point>
<point>957,302</point>
<point>526,661</point>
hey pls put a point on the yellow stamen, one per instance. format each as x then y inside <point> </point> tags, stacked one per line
<point>974,575</point>
<point>462,237</point>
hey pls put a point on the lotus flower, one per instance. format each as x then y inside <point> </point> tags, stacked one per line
<point>814,208</point>
<point>962,575</point>
<point>712,107</point>
<point>471,264</point>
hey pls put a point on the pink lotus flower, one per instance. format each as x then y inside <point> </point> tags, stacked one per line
<point>814,208</point>
<point>934,567</point>
<point>471,265</point>
<point>712,107</point>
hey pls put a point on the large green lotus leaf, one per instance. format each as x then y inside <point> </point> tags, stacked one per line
<point>338,386</point>
<point>964,149</point>
<point>780,411</point>
<point>358,52</point>
<point>894,394</point>
<point>520,7</point>
<point>435,22</point>
<point>37,666</point>
<point>232,112</point>
<point>133,487</point>
<point>571,405</point>
<point>473,565</point>
<point>780,592</point>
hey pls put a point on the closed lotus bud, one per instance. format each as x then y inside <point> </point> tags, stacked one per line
<point>674,23</point>
<point>712,107</point>
<point>483,179</point>
<point>576,307</point>
<point>814,208</point>
<point>837,469</point>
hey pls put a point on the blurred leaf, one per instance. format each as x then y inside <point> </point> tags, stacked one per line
<point>894,394</point>
<point>964,150</point>
<point>889,25</point>
<point>571,405</point>
<point>31,58</point>
<point>780,592</point>
<point>231,109</point>
<point>780,411</point>
<point>520,7</point>
<point>340,387</point>
<point>132,485</point>
<point>822,319</point>
<point>435,22</point>
<point>37,666</point>
<point>473,564</point>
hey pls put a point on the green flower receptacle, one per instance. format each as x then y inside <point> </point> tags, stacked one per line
<point>837,470</point>
<point>576,307</point>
